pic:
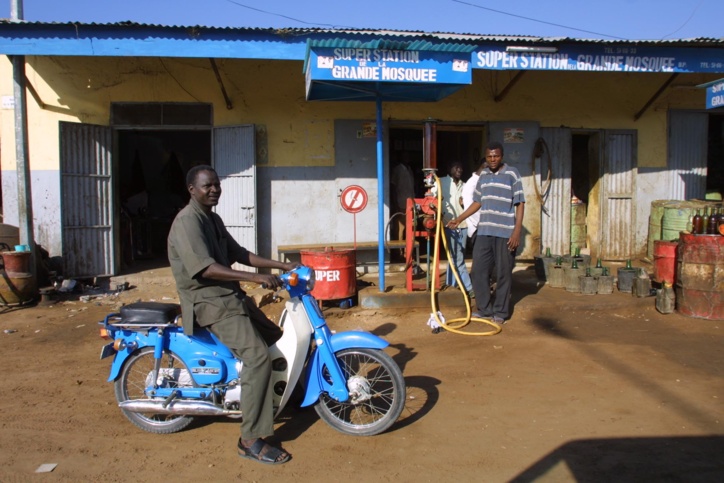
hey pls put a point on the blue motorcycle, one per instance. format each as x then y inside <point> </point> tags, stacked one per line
<point>164,378</point>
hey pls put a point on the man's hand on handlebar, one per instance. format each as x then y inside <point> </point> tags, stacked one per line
<point>270,281</point>
<point>291,266</point>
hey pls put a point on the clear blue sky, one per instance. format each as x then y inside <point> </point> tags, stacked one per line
<point>604,19</point>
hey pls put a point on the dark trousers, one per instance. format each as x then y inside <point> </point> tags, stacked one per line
<point>491,253</point>
<point>245,337</point>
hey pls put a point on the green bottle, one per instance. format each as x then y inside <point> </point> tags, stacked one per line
<point>559,261</point>
<point>628,265</point>
<point>598,263</point>
<point>605,271</point>
<point>588,271</point>
<point>548,252</point>
<point>575,263</point>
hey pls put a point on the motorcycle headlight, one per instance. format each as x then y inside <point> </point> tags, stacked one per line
<point>312,279</point>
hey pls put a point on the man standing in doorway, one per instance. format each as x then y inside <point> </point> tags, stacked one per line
<point>468,191</point>
<point>500,199</point>
<point>201,251</point>
<point>452,205</point>
<point>402,187</point>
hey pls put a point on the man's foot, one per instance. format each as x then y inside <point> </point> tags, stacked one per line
<point>261,451</point>
<point>479,315</point>
<point>499,320</point>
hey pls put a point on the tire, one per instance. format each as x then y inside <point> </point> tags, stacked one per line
<point>132,382</point>
<point>372,369</point>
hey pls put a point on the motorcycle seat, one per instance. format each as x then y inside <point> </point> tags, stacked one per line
<point>150,313</point>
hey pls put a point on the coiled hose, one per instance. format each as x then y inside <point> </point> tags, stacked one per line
<point>453,325</point>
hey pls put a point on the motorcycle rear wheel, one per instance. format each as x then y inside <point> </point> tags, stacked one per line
<point>132,382</point>
<point>375,370</point>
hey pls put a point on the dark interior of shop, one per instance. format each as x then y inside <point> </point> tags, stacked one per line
<point>152,187</point>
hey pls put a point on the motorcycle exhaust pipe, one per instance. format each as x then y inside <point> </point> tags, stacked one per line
<point>179,407</point>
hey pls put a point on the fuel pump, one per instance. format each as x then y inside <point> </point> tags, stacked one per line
<point>421,223</point>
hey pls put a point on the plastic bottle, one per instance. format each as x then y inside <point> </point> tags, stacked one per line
<point>697,224</point>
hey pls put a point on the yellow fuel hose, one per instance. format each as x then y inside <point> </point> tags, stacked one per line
<point>452,325</point>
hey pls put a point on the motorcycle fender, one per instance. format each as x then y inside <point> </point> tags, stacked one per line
<point>339,342</point>
<point>135,341</point>
<point>118,364</point>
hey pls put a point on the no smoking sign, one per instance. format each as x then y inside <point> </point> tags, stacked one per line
<point>353,199</point>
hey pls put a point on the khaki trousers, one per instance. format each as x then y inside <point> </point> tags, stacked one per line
<point>240,335</point>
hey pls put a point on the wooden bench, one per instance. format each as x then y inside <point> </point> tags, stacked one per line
<point>284,250</point>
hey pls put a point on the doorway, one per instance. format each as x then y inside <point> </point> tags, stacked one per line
<point>152,166</point>
<point>715,156</point>
<point>453,143</point>
<point>585,170</point>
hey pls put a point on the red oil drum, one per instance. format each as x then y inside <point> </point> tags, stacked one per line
<point>665,261</point>
<point>335,272</point>
<point>700,276</point>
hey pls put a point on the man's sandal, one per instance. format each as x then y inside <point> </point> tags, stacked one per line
<point>263,452</point>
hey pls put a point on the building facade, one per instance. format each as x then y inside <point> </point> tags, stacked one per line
<point>116,114</point>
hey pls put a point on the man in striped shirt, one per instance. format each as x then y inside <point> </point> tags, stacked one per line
<point>500,200</point>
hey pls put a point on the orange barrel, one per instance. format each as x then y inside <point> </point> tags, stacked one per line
<point>665,261</point>
<point>700,276</point>
<point>335,273</point>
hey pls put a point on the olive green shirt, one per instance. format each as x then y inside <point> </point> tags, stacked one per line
<point>197,240</point>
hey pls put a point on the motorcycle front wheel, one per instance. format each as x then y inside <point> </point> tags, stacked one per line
<point>136,376</point>
<point>377,394</point>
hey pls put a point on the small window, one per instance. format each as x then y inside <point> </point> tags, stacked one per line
<point>161,114</point>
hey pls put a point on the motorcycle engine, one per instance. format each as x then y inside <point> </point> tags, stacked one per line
<point>171,377</point>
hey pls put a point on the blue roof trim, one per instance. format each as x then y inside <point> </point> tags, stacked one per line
<point>143,40</point>
<point>118,41</point>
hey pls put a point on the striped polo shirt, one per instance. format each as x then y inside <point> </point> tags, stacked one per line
<point>498,193</point>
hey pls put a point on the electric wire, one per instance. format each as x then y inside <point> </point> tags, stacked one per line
<point>282,16</point>
<point>540,146</point>
<point>536,20</point>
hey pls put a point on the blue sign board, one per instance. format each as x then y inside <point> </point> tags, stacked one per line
<point>599,58</point>
<point>714,94</point>
<point>384,65</point>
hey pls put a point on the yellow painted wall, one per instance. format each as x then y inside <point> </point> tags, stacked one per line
<point>81,89</point>
<point>301,133</point>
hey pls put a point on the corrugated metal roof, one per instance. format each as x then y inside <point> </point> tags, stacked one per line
<point>450,36</point>
<point>382,43</point>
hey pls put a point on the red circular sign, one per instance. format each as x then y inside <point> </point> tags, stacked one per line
<point>353,199</point>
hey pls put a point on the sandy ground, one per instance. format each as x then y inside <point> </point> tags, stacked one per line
<point>575,388</point>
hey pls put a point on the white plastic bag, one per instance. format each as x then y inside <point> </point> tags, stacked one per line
<point>432,321</point>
